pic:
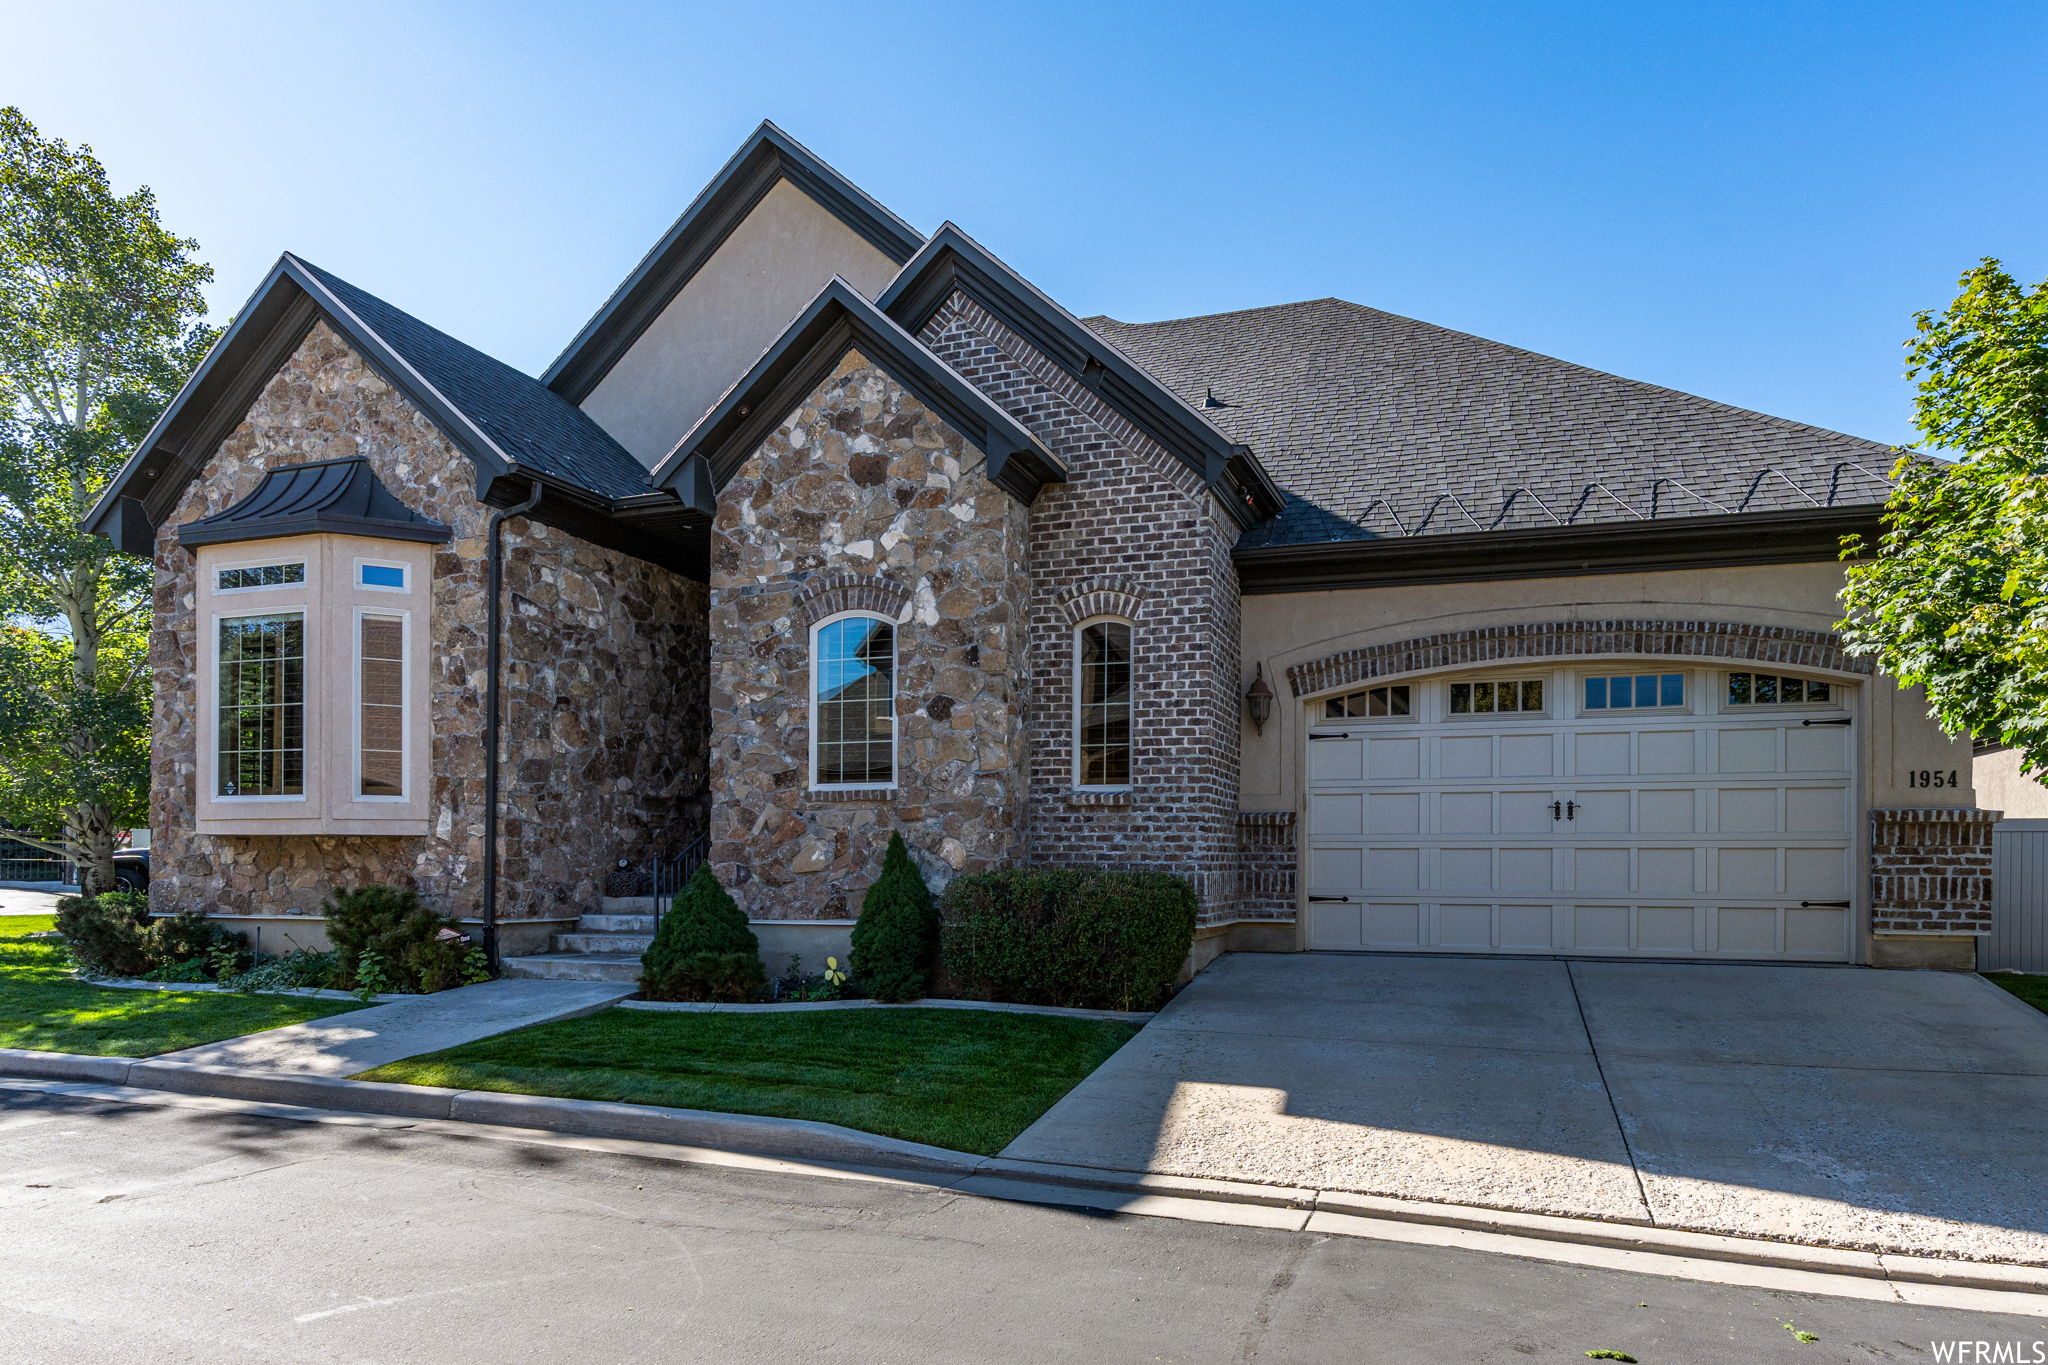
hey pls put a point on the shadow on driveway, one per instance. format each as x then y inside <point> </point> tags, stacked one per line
<point>1895,1111</point>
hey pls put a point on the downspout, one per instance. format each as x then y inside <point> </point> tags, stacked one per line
<point>493,655</point>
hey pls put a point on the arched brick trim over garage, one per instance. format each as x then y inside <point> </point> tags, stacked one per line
<point>1565,639</point>
<point>1100,595</point>
<point>830,594</point>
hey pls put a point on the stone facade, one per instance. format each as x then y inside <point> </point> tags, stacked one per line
<point>1134,532</point>
<point>863,499</point>
<point>604,716</point>
<point>1930,871</point>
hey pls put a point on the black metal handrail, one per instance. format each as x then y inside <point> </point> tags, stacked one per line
<point>672,874</point>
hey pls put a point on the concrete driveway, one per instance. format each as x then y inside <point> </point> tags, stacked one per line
<point>1887,1111</point>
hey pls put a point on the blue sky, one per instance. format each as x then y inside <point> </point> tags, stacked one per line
<point>1747,201</point>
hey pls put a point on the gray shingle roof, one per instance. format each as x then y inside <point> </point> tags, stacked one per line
<point>532,424</point>
<point>1379,425</point>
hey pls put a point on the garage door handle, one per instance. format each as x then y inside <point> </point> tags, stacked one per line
<point>1823,905</point>
<point>1342,900</point>
<point>1838,720</point>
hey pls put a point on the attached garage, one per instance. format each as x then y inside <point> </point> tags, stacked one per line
<point>1614,809</point>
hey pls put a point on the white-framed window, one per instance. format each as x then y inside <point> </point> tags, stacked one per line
<point>260,723</point>
<point>380,575</point>
<point>1371,703</point>
<point>1496,697</point>
<point>1634,691</point>
<point>380,730</point>
<point>256,577</point>
<point>853,701</point>
<point>1777,689</point>
<point>1102,705</point>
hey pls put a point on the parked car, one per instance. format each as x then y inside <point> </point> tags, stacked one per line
<point>131,868</point>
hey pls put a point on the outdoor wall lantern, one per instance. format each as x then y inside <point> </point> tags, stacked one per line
<point>1258,701</point>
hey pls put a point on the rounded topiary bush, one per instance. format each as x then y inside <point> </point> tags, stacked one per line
<point>703,949</point>
<point>897,935</point>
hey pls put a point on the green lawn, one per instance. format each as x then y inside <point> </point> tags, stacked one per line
<point>966,1079</point>
<point>43,1008</point>
<point>2032,989</point>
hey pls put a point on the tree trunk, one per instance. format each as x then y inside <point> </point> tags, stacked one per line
<point>91,830</point>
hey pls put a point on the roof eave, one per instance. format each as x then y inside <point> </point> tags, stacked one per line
<point>837,320</point>
<point>768,155</point>
<point>953,260</point>
<point>1787,536</point>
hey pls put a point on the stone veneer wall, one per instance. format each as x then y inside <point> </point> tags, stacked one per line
<point>605,683</point>
<point>1131,526</point>
<point>864,499</point>
<point>1930,871</point>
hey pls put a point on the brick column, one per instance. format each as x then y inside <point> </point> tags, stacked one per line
<point>1266,864</point>
<point>1930,875</point>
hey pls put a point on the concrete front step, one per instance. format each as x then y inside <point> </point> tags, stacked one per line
<point>575,967</point>
<point>626,945</point>
<point>616,924</point>
<point>627,905</point>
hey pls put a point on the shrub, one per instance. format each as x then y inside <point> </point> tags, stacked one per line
<point>703,949</point>
<point>418,950</point>
<point>1076,937</point>
<point>297,970</point>
<point>104,933</point>
<point>897,935</point>
<point>176,942</point>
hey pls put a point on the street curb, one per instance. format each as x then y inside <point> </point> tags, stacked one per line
<point>790,1006</point>
<point>826,1143</point>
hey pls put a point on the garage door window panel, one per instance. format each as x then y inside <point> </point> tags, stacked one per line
<point>1634,691</point>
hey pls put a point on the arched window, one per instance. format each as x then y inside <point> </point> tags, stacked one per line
<point>1102,705</point>
<point>853,701</point>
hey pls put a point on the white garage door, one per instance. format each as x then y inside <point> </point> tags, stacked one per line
<point>1624,810</point>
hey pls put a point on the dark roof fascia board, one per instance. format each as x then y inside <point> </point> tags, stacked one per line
<point>952,260</point>
<point>767,156</point>
<point>836,321</point>
<point>217,397</point>
<point>678,541</point>
<point>266,330</point>
<point>1807,535</point>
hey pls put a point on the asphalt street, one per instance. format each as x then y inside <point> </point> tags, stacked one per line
<point>143,1233</point>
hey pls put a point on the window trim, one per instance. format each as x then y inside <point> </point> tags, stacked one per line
<point>305,583</point>
<point>362,562</point>
<point>1833,702</point>
<point>308,777</point>
<point>405,666</point>
<point>1074,703</point>
<point>895,701</point>
<point>1413,715</point>
<point>1687,692</point>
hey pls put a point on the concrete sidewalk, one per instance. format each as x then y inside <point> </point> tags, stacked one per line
<point>349,1043</point>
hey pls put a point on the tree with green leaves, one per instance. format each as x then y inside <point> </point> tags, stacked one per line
<point>100,312</point>
<point>1954,598</point>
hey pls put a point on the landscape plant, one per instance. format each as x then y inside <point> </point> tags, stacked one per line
<point>418,949</point>
<point>104,933</point>
<point>702,948</point>
<point>1952,597</point>
<point>896,938</point>
<point>1067,936</point>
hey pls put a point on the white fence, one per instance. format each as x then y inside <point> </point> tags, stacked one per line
<point>2019,899</point>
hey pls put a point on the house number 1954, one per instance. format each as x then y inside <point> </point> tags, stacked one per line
<point>1931,777</point>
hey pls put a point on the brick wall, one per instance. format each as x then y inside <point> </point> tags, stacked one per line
<point>1268,857</point>
<point>1930,871</point>
<point>1134,532</point>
